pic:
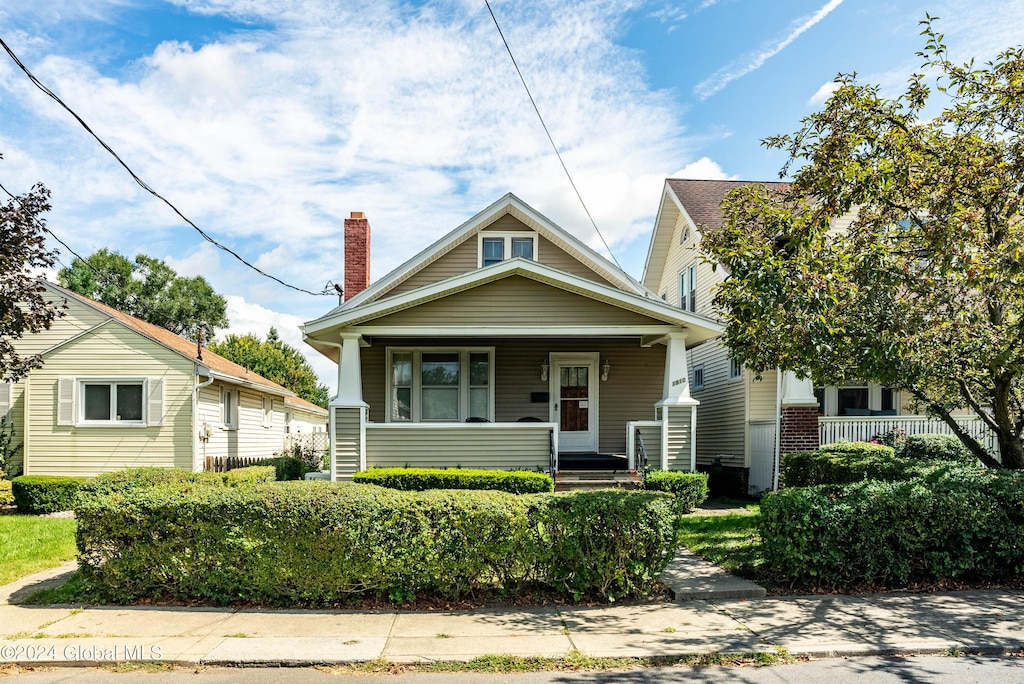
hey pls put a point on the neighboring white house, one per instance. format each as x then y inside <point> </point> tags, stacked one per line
<point>115,391</point>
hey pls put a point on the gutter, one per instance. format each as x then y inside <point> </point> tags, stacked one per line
<point>199,371</point>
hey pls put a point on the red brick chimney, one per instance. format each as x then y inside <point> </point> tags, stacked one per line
<point>357,254</point>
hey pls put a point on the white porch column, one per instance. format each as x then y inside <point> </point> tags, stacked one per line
<point>677,409</point>
<point>350,380</point>
<point>677,384</point>
<point>797,391</point>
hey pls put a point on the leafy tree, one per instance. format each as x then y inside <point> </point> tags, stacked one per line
<point>924,292</point>
<point>23,308</point>
<point>149,289</point>
<point>275,360</point>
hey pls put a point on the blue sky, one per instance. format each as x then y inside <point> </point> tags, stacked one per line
<point>268,121</point>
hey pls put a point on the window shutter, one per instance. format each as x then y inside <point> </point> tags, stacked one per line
<point>5,399</point>
<point>155,402</point>
<point>66,401</point>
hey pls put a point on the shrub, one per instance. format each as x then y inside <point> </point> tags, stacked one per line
<point>320,542</point>
<point>251,475</point>
<point>36,494</point>
<point>6,497</point>
<point>937,448</point>
<point>132,478</point>
<point>847,462</point>
<point>420,479</point>
<point>954,522</point>
<point>690,489</point>
<point>285,467</point>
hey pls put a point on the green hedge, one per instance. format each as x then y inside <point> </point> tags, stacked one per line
<point>37,494</point>
<point>6,496</point>
<point>848,462</point>
<point>936,448</point>
<point>285,467</point>
<point>421,479</point>
<point>955,522</point>
<point>317,543</point>
<point>136,478</point>
<point>250,475</point>
<point>690,489</point>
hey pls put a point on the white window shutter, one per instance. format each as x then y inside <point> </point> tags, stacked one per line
<point>155,402</point>
<point>66,401</point>
<point>5,399</point>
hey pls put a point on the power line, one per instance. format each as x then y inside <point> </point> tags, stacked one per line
<point>550,139</point>
<point>145,186</point>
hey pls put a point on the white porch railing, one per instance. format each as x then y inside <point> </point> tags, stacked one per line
<point>650,432</point>
<point>862,429</point>
<point>504,446</point>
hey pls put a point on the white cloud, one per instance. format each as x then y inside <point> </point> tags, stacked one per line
<point>703,169</point>
<point>822,94</point>
<point>754,60</point>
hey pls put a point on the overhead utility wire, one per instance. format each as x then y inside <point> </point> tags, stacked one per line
<point>550,139</point>
<point>142,183</point>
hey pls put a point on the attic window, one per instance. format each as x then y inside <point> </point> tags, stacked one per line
<point>497,247</point>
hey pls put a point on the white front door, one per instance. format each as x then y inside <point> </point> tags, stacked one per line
<point>573,387</point>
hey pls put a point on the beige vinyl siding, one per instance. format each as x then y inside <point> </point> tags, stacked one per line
<point>522,446</point>
<point>761,398</point>
<point>680,257</point>
<point>305,421</point>
<point>721,416</point>
<point>651,435</point>
<point>515,301</point>
<point>633,387</point>
<point>347,442</point>
<point>16,417</point>
<point>111,351</point>
<point>77,319</point>
<point>678,435</point>
<point>250,439</point>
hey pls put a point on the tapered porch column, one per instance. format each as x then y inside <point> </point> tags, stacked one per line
<point>677,410</point>
<point>348,413</point>
<point>799,420</point>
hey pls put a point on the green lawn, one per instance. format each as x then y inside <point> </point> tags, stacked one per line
<point>29,544</point>
<point>730,541</point>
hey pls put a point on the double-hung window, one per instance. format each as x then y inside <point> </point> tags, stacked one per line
<point>698,376</point>
<point>440,385</point>
<point>688,288</point>
<point>229,408</point>
<point>121,401</point>
<point>497,247</point>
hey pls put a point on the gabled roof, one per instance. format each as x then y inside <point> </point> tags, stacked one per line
<point>303,404</point>
<point>511,205</point>
<point>218,365</point>
<point>700,201</point>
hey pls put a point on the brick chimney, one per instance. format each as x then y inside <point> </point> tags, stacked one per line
<point>357,254</point>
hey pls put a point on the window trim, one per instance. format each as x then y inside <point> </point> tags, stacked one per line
<point>268,411</point>
<point>416,385</point>
<point>506,237</point>
<point>698,368</point>
<point>81,382</point>
<point>688,288</point>
<point>236,412</point>
<point>733,365</point>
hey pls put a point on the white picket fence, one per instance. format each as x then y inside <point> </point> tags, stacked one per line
<point>862,429</point>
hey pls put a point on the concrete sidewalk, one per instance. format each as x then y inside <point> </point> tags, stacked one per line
<point>982,621</point>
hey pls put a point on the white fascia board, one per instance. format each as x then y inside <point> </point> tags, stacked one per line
<point>235,380</point>
<point>654,308</point>
<point>659,218</point>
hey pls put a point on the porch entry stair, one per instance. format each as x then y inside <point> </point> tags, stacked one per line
<point>594,471</point>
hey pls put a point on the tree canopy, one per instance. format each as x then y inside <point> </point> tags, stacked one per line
<point>924,289</point>
<point>275,360</point>
<point>149,289</point>
<point>23,308</point>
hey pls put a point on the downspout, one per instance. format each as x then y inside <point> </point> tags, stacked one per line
<point>330,414</point>
<point>778,429</point>
<point>195,411</point>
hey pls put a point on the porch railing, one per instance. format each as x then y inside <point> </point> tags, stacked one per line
<point>507,446</point>
<point>862,429</point>
<point>640,459</point>
<point>643,435</point>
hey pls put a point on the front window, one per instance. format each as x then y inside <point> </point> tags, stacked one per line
<point>853,401</point>
<point>688,289</point>
<point>440,385</point>
<point>229,408</point>
<point>109,402</point>
<point>493,251</point>
<point>496,247</point>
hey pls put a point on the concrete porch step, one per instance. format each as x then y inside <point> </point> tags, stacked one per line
<point>567,480</point>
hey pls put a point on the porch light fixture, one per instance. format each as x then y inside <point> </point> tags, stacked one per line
<point>605,369</point>
<point>544,371</point>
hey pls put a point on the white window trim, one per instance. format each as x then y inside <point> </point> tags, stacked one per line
<point>737,376</point>
<point>874,399</point>
<point>417,355</point>
<point>268,412</point>
<point>698,367</point>
<point>81,382</point>
<point>688,283</point>
<point>224,424</point>
<point>507,237</point>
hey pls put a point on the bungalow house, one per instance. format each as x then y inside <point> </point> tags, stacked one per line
<point>115,391</point>
<point>747,420</point>
<point>508,343</point>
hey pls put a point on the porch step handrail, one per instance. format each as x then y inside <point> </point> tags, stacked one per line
<point>641,455</point>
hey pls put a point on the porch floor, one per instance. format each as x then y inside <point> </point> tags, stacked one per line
<point>591,461</point>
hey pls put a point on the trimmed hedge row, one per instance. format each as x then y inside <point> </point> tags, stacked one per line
<point>936,448</point>
<point>142,478</point>
<point>421,479</point>
<point>690,489</point>
<point>38,494</point>
<point>6,496</point>
<point>848,462</point>
<point>285,467</point>
<point>957,521</point>
<point>321,542</point>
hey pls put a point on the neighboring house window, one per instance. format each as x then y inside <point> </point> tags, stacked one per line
<point>229,408</point>
<point>853,401</point>
<point>735,369</point>
<point>112,401</point>
<point>287,423</point>
<point>664,295</point>
<point>440,385</point>
<point>698,376</point>
<point>268,411</point>
<point>688,288</point>
<point>684,235</point>
<point>496,247</point>
<point>819,394</point>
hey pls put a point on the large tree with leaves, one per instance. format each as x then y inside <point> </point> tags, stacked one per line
<point>924,290</point>
<point>275,360</point>
<point>149,289</point>
<point>23,307</point>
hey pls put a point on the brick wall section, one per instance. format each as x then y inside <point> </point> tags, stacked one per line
<point>357,254</point>
<point>799,429</point>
